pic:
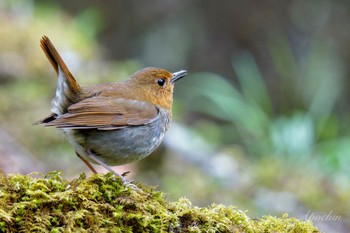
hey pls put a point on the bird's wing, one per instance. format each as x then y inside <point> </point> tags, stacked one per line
<point>106,113</point>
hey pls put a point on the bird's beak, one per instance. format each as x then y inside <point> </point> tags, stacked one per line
<point>178,75</point>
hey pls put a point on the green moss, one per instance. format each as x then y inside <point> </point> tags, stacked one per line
<point>101,203</point>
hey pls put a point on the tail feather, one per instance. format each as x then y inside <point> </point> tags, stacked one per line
<point>67,87</point>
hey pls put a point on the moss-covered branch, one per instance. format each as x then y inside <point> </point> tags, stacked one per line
<point>100,203</point>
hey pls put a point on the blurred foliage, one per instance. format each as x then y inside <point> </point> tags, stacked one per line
<point>262,121</point>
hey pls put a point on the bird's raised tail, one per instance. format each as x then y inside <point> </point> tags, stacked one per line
<point>67,90</point>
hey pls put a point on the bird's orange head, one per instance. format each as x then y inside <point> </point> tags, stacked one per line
<point>156,85</point>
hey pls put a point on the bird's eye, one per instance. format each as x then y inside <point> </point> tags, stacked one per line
<point>161,82</point>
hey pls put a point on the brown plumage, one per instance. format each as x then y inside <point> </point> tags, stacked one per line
<point>106,113</point>
<point>112,123</point>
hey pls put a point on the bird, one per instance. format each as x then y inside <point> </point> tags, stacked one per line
<point>113,123</point>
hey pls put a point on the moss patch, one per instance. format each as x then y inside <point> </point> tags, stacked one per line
<point>101,203</point>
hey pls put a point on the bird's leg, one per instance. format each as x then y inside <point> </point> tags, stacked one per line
<point>97,160</point>
<point>87,163</point>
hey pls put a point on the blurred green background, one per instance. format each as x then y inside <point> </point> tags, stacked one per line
<point>261,122</point>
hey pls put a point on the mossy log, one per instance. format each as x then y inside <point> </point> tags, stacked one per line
<point>101,203</point>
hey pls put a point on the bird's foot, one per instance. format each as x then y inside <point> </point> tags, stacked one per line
<point>122,177</point>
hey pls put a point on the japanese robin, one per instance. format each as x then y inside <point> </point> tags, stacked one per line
<point>112,123</point>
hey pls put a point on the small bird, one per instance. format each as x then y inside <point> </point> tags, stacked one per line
<point>112,123</point>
